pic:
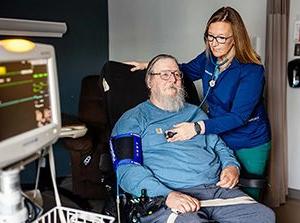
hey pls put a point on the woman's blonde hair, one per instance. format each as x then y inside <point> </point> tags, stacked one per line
<point>244,52</point>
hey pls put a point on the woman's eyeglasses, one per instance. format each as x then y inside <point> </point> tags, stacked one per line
<point>165,75</point>
<point>219,39</point>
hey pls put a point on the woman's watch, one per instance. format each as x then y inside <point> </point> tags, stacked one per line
<point>197,128</point>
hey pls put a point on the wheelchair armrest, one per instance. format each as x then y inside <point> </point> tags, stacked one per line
<point>253,183</point>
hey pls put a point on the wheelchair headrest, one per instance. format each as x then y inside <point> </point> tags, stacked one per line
<point>127,89</point>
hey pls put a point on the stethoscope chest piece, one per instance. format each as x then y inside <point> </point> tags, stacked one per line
<point>212,83</point>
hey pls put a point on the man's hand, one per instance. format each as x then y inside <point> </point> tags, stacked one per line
<point>137,65</point>
<point>184,131</point>
<point>229,177</point>
<point>182,203</point>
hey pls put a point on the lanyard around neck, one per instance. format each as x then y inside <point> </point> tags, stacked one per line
<point>217,67</point>
<point>217,72</point>
<point>215,76</point>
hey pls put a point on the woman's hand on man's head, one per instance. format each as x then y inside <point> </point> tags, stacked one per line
<point>137,65</point>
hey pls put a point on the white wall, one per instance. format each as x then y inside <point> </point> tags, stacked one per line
<point>293,109</point>
<point>141,29</point>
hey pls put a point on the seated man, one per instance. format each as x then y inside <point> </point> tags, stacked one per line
<point>185,172</point>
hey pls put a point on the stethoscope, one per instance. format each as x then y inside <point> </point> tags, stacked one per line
<point>212,82</point>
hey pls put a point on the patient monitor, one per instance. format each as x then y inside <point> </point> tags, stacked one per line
<point>29,115</point>
<point>29,100</point>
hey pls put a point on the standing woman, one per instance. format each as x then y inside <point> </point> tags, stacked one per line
<point>233,82</point>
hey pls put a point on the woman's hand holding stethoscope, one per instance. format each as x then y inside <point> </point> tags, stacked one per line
<point>183,131</point>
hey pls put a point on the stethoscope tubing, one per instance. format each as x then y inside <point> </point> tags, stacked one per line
<point>213,79</point>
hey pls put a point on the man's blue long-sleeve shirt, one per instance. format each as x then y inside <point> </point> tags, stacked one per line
<point>170,166</point>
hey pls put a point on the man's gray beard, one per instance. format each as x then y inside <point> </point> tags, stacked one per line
<point>172,103</point>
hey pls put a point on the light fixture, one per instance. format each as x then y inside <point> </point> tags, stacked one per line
<point>24,27</point>
<point>17,45</point>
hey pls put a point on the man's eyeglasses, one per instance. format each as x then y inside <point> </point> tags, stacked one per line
<point>165,75</point>
<point>219,39</point>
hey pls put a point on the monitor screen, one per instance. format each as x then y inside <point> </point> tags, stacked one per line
<point>24,103</point>
<point>29,104</point>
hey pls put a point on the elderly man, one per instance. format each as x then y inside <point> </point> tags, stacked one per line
<point>185,172</point>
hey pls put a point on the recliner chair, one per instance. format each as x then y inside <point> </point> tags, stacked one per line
<point>92,173</point>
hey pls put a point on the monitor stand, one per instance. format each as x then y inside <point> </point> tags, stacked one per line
<point>12,208</point>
